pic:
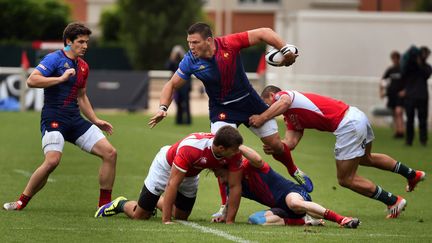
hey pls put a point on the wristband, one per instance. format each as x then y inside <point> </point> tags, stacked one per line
<point>163,108</point>
<point>289,48</point>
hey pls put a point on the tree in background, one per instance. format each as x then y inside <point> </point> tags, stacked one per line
<point>424,5</point>
<point>27,20</point>
<point>149,29</point>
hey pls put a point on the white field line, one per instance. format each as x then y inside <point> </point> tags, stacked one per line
<point>28,174</point>
<point>260,232</point>
<point>214,231</point>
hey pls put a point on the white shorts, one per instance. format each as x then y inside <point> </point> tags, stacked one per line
<point>352,135</point>
<point>267,129</point>
<point>159,174</point>
<point>54,141</point>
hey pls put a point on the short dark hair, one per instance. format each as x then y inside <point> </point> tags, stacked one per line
<point>228,137</point>
<point>395,54</point>
<point>201,28</point>
<point>269,89</point>
<point>73,30</point>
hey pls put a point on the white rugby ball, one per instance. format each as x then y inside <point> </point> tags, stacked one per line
<point>275,57</point>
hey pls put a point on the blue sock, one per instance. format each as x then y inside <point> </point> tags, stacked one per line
<point>258,217</point>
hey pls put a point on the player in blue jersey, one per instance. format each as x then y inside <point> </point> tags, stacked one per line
<point>232,99</point>
<point>63,76</point>
<point>289,203</point>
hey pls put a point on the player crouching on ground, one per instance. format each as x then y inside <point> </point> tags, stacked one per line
<point>175,170</point>
<point>290,203</point>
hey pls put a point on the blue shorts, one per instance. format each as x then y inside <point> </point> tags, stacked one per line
<point>70,126</point>
<point>238,112</point>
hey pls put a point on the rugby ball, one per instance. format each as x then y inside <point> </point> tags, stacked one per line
<point>275,57</point>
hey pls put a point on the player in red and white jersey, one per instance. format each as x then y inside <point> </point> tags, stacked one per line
<point>354,137</point>
<point>175,170</point>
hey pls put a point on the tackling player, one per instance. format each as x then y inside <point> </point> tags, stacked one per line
<point>175,170</point>
<point>63,76</point>
<point>288,201</point>
<point>354,137</point>
<point>232,100</point>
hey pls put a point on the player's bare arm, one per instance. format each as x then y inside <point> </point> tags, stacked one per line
<point>254,158</point>
<point>277,108</point>
<point>37,80</point>
<point>270,37</point>
<point>235,189</point>
<point>176,177</point>
<point>166,98</point>
<point>87,109</point>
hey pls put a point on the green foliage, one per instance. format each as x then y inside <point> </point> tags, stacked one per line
<point>110,24</point>
<point>27,20</point>
<point>149,29</point>
<point>424,5</point>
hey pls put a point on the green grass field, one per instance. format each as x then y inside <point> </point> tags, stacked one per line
<point>63,211</point>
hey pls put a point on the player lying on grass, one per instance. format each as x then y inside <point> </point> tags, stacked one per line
<point>288,201</point>
<point>354,138</point>
<point>175,170</point>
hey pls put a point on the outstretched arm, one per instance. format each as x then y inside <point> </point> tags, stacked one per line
<point>166,98</point>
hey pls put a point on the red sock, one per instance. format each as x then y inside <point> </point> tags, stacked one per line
<point>333,216</point>
<point>222,191</point>
<point>104,197</point>
<point>289,221</point>
<point>286,159</point>
<point>24,200</point>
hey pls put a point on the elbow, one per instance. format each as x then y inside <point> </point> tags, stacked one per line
<point>30,82</point>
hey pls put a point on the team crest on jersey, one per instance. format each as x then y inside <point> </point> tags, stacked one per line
<point>201,67</point>
<point>54,124</point>
<point>222,116</point>
<point>66,65</point>
<point>226,54</point>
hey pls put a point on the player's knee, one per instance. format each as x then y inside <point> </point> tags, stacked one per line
<point>110,155</point>
<point>51,163</point>
<point>345,182</point>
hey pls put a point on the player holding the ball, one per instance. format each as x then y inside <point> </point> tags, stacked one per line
<point>232,100</point>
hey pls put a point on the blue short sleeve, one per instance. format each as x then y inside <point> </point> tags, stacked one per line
<point>48,64</point>
<point>184,69</point>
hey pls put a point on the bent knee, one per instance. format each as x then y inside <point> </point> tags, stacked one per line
<point>110,154</point>
<point>345,182</point>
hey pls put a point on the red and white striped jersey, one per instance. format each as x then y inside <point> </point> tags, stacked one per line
<point>310,110</point>
<point>194,154</point>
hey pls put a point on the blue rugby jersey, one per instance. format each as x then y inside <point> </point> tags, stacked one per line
<point>63,96</point>
<point>223,75</point>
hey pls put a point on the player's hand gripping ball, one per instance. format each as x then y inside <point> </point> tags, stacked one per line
<point>275,57</point>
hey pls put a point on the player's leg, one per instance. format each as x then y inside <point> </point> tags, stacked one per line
<point>409,125</point>
<point>398,120</point>
<point>52,144</point>
<point>268,133</point>
<point>186,197</point>
<point>95,142</point>
<point>422,115</point>
<point>385,162</point>
<point>299,205</point>
<point>183,206</point>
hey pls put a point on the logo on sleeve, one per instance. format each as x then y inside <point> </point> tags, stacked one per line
<point>42,66</point>
<point>201,67</point>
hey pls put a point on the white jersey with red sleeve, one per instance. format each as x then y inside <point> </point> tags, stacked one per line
<point>310,110</point>
<point>194,154</point>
